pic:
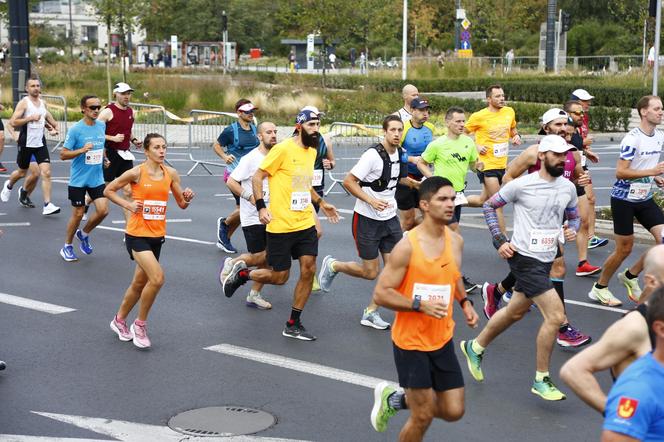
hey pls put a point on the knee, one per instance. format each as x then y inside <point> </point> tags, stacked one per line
<point>46,174</point>
<point>370,274</point>
<point>453,413</point>
<point>422,418</point>
<point>280,278</point>
<point>20,173</point>
<point>157,279</point>
<point>308,271</point>
<point>624,249</point>
<point>103,212</point>
<point>556,317</point>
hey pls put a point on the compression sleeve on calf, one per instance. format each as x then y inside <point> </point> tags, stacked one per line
<point>491,218</point>
<point>573,220</point>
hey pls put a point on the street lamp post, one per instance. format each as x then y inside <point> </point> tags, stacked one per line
<point>404,43</point>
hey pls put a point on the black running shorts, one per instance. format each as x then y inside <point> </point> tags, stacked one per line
<point>143,244</point>
<point>77,194</point>
<point>282,248</point>
<point>372,236</point>
<point>647,213</point>
<point>255,237</point>
<point>438,369</point>
<point>25,154</point>
<point>407,198</point>
<point>494,173</point>
<point>532,275</point>
<point>117,165</point>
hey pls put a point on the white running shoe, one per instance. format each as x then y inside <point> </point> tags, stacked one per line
<point>6,192</point>
<point>50,209</point>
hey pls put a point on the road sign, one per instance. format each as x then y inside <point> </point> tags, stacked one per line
<point>465,45</point>
<point>465,53</point>
<point>465,23</point>
<point>465,35</point>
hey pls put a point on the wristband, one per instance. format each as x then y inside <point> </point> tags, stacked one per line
<point>464,300</point>
<point>246,194</point>
<point>260,204</point>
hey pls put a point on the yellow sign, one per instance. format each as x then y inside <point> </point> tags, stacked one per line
<point>465,23</point>
<point>465,53</point>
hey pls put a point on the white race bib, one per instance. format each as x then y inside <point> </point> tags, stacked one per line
<point>154,210</point>
<point>543,240</point>
<point>126,155</point>
<point>317,179</point>
<point>500,149</point>
<point>583,159</point>
<point>460,199</point>
<point>430,292</point>
<point>639,191</point>
<point>94,156</point>
<point>300,201</point>
<point>389,212</point>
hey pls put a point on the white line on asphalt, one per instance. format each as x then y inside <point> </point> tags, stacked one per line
<point>177,238</point>
<point>596,306</point>
<point>34,305</point>
<point>325,217</point>
<point>296,365</point>
<point>1,214</point>
<point>174,220</point>
<point>14,224</point>
<point>345,211</point>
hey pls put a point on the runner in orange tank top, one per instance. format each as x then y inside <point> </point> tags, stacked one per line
<point>424,355</point>
<point>150,183</point>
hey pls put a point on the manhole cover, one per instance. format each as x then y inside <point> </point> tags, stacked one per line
<point>221,421</point>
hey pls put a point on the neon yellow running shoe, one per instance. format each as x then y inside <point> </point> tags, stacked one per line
<point>632,285</point>
<point>547,391</point>
<point>473,359</point>
<point>382,411</point>
<point>315,286</point>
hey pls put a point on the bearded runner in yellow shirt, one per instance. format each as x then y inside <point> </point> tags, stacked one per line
<point>494,127</point>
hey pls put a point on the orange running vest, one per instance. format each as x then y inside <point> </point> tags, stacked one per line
<point>151,222</point>
<point>430,279</point>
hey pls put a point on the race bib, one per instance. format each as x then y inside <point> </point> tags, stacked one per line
<point>639,191</point>
<point>543,240</point>
<point>389,212</point>
<point>126,155</point>
<point>430,292</point>
<point>94,156</point>
<point>460,199</point>
<point>300,201</point>
<point>583,159</point>
<point>154,210</point>
<point>317,179</point>
<point>500,149</point>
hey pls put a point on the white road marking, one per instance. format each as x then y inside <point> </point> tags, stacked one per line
<point>174,220</point>
<point>297,365</point>
<point>177,238</point>
<point>126,431</point>
<point>595,306</point>
<point>31,304</point>
<point>325,217</point>
<point>346,211</point>
<point>14,224</point>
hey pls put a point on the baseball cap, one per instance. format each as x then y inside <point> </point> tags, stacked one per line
<point>313,109</point>
<point>419,103</point>
<point>553,114</point>
<point>121,88</point>
<point>306,115</point>
<point>246,108</point>
<point>553,143</point>
<point>582,94</point>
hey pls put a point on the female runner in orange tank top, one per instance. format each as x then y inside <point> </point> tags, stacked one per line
<point>150,183</point>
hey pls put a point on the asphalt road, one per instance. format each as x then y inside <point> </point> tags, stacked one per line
<point>69,377</point>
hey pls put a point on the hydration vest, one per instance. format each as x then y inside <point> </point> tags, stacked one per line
<point>383,182</point>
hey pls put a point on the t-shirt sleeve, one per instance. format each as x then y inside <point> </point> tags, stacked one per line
<point>630,409</point>
<point>628,147</point>
<point>510,191</point>
<point>369,162</point>
<point>429,154</point>
<point>71,139</point>
<point>513,123</point>
<point>472,125</point>
<point>272,162</point>
<point>241,172</point>
<point>474,155</point>
<point>226,137</point>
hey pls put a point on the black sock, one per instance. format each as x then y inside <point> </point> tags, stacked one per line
<point>9,186</point>
<point>397,400</point>
<point>508,282</point>
<point>582,262</point>
<point>600,286</point>
<point>499,291</point>
<point>294,316</point>
<point>563,328</point>
<point>629,275</point>
<point>87,207</point>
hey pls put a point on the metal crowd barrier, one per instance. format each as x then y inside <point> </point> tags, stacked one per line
<point>57,106</point>
<point>148,118</point>
<point>349,141</point>
<point>204,128</point>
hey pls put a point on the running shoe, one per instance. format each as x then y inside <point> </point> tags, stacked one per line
<point>473,359</point>
<point>572,337</point>
<point>2,365</point>
<point>85,242</point>
<point>632,285</point>
<point>507,296</point>
<point>603,296</point>
<point>67,253</point>
<point>469,286</point>
<point>85,212</point>
<point>596,241</point>
<point>382,411</point>
<point>223,241</point>
<point>24,199</point>
<point>587,269</point>
<point>547,390</point>
<point>50,209</point>
<point>373,319</point>
<point>491,301</point>
<point>315,285</point>
<point>6,192</point>
<point>234,279</point>
<point>225,269</point>
<point>255,300</point>
<point>3,168</point>
<point>297,331</point>
<point>326,275</point>
<point>120,327</point>
<point>139,334</point>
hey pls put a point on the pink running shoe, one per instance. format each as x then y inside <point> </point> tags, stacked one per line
<point>120,327</point>
<point>491,302</point>
<point>140,335</point>
<point>572,337</point>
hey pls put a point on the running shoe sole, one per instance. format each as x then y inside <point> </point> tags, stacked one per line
<point>256,306</point>
<point>589,273</point>
<point>534,391</point>
<point>65,257</point>
<point>367,323</point>
<point>221,246</point>
<point>135,341</point>
<point>300,337</point>
<point>117,331</point>
<point>594,297</point>
<point>566,344</point>
<point>238,264</point>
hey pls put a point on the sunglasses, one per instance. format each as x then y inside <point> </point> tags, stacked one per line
<point>94,108</point>
<point>578,113</point>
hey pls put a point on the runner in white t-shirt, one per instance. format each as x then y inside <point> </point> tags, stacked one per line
<point>376,225</point>
<point>254,231</point>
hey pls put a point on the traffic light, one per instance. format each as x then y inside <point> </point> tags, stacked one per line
<point>566,19</point>
<point>224,21</point>
<point>652,8</point>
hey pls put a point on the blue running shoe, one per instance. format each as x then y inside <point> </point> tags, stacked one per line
<point>223,241</point>
<point>85,243</point>
<point>596,241</point>
<point>67,253</point>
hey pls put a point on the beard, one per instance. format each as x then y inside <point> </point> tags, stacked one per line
<point>310,140</point>
<point>554,171</point>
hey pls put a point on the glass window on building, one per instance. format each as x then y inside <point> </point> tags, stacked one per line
<point>90,34</point>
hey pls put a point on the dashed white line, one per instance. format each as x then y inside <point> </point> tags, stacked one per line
<point>31,304</point>
<point>14,224</point>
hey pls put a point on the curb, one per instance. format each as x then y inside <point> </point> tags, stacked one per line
<point>604,228</point>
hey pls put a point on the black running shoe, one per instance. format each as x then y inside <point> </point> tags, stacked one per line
<point>469,286</point>
<point>297,331</point>
<point>235,279</point>
<point>2,365</point>
<point>24,199</point>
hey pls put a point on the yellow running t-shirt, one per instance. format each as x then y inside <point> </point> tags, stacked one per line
<point>492,130</point>
<point>290,169</point>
